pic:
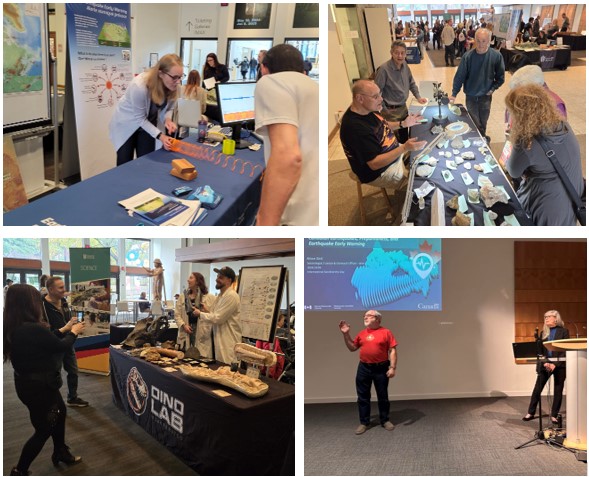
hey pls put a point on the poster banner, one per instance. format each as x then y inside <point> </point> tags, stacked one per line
<point>99,54</point>
<point>547,59</point>
<point>514,20</point>
<point>252,16</point>
<point>90,300</point>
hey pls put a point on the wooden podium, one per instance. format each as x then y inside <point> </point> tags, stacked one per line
<point>576,422</point>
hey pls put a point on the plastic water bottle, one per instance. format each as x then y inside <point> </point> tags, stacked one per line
<point>202,130</point>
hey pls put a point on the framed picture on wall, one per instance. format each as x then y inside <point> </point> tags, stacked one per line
<point>306,15</point>
<point>252,16</point>
<point>153,59</point>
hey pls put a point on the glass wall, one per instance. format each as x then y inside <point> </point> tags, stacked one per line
<point>59,249</point>
<point>309,48</point>
<point>194,53</point>
<point>241,50</point>
<point>22,248</point>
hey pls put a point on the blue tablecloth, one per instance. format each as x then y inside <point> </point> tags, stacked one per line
<point>423,217</point>
<point>95,200</point>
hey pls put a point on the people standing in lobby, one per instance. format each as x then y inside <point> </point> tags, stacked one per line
<point>378,364</point>
<point>553,365</point>
<point>191,330</point>
<point>481,72</point>
<point>395,81</point>
<point>223,316</point>
<point>448,37</point>
<point>144,114</point>
<point>36,356</point>
<point>58,314</point>
<point>287,118</point>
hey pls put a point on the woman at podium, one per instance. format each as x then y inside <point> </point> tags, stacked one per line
<point>552,364</point>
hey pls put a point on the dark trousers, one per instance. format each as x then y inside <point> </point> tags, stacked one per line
<point>139,141</point>
<point>560,374</point>
<point>365,376</point>
<point>479,108</point>
<point>449,54</point>
<point>47,413</point>
<point>70,365</point>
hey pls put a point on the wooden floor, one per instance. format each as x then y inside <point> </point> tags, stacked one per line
<point>108,441</point>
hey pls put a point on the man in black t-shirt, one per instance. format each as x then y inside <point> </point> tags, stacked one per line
<point>368,140</point>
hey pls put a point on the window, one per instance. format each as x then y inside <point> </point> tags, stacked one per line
<point>135,284</point>
<point>309,48</point>
<point>113,244</point>
<point>22,248</point>
<point>194,53</point>
<point>137,253</point>
<point>59,249</point>
<point>244,49</point>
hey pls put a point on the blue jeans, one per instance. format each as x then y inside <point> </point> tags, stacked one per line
<point>70,365</point>
<point>365,376</point>
<point>479,108</point>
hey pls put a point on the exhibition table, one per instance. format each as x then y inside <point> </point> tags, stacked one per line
<point>576,42</point>
<point>557,57</point>
<point>94,202</point>
<point>214,435</point>
<point>423,132</point>
<point>119,333</point>
<point>576,396</point>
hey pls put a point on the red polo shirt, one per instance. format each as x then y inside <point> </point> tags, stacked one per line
<point>375,344</point>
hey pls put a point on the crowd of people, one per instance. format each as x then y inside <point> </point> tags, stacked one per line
<point>374,130</point>
<point>40,331</point>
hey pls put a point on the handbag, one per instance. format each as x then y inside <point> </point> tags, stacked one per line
<point>579,203</point>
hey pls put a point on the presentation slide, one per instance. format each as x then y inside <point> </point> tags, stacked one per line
<point>236,101</point>
<point>382,274</point>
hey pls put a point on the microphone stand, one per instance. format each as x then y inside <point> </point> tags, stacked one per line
<point>539,435</point>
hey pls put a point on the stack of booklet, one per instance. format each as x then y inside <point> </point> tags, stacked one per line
<point>161,209</point>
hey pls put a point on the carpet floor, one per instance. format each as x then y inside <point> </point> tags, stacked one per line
<point>433,437</point>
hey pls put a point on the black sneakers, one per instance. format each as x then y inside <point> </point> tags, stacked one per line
<point>77,402</point>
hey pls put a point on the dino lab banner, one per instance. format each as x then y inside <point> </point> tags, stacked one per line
<point>90,301</point>
<point>99,71</point>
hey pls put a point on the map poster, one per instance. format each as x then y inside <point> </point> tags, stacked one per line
<point>90,302</point>
<point>25,64</point>
<point>260,291</point>
<point>14,188</point>
<point>99,54</point>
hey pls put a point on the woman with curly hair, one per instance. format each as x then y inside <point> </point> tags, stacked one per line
<point>144,114</point>
<point>542,193</point>
<point>36,354</point>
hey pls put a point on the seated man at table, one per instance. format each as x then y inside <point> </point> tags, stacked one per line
<point>368,139</point>
<point>144,306</point>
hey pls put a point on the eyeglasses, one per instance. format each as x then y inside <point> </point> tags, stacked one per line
<point>175,78</point>
<point>372,96</point>
<point>549,316</point>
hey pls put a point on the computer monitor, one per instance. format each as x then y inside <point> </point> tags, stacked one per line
<point>236,105</point>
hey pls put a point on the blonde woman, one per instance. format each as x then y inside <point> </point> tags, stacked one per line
<point>535,116</point>
<point>144,114</point>
<point>191,330</point>
<point>552,365</point>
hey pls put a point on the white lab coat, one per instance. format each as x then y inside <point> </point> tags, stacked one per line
<point>203,328</point>
<point>224,316</point>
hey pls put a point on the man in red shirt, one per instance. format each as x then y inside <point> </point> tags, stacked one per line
<point>378,362</point>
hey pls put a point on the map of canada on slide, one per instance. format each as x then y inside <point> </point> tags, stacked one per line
<point>22,63</point>
<point>114,35</point>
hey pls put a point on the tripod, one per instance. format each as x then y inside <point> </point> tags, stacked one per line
<point>539,435</point>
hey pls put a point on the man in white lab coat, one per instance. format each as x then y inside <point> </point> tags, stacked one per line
<point>224,315</point>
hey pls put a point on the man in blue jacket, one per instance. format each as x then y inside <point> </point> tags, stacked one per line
<point>481,72</point>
